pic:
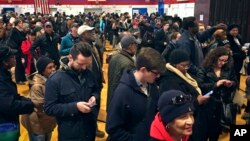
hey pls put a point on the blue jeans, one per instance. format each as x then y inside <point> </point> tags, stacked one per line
<point>43,137</point>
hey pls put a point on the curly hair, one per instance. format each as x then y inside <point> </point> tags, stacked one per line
<point>212,57</point>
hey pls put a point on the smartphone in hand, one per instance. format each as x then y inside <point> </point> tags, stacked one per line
<point>209,93</point>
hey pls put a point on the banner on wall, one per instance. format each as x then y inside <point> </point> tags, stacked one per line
<point>41,6</point>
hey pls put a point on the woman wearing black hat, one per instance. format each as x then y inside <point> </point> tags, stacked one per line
<point>38,124</point>
<point>236,44</point>
<point>12,104</point>
<point>176,77</point>
<point>175,119</point>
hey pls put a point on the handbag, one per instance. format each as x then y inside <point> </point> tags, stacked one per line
<point>228,114</point>
<point>9,132</point>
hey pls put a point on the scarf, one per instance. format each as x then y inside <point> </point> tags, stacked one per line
<point>185,77</point>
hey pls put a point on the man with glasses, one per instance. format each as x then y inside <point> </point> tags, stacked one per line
<point>134,103</point>
<point>48,44</point>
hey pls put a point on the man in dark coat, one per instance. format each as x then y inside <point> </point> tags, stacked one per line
<point>16,36</point>
<point>134,103</point>
<point>12,104</point>
<point>48,43</point>
<point>190,41</point>
<point>121,62</point>
<point>71,95</point>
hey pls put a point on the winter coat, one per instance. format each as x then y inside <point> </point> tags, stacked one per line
<point>238,54</point>
<point>26,51</point>
<point>193,47</point>
<point>168,81</point>
<point>38,122</point>
<point>48,47</point>
<point>119,63</point>
<point>67,43</point>
<point>62,91</point>
<point>212,109</point>
<point>12,104</point>
<point>160,38</point>
<point>131,111</point>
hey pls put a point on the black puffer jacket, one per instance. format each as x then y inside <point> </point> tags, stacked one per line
<point>12,104</point>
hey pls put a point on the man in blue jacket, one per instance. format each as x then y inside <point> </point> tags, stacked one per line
<point>134,103</point>
<point>71,94</point>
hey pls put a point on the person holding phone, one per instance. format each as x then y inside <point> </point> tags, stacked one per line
<point>217,75</point>
<point>176,77</point>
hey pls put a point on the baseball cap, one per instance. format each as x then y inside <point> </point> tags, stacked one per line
<point>84,28</point>
<point>127,40</point>
<point>48,24</point>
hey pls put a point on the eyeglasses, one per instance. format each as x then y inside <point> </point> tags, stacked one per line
<point>155,73</point>
<point>222,60</point>
<point>186,66</point>
<point>181,99</point>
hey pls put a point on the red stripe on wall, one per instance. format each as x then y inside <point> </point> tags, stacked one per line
<point>85,2</point>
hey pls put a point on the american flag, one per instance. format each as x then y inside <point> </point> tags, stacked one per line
<point>41,6</point>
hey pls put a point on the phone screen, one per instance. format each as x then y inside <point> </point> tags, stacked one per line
<point>209,93</point>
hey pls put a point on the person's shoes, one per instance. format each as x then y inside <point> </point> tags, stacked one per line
<point>100,133</point>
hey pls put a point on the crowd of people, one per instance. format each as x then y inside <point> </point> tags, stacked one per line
<point>158,76</point>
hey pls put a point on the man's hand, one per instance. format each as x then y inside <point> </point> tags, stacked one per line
<point>92,101</point>
<point>83,107</point>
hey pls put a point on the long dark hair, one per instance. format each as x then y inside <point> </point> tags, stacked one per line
<point>212,57</point>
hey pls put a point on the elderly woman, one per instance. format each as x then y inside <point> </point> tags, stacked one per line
<point>217,75</point>
<point>175,119</point>
<point>176,77</point>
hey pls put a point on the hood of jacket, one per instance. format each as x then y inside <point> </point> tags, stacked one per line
<point>128,79</point>
<point>159,132</point>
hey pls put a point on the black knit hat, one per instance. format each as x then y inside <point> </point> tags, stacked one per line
<point>230,27</point>
<point>178,56</point>
<point>174,103</point>
<point>42,63</point>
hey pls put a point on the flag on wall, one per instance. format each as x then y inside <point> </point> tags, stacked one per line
<point>41,6</point>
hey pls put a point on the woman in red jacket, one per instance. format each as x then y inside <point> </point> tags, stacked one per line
<point>175,119</point>
<point>29,67</point>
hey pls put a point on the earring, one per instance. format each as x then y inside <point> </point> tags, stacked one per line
<point>167,126</point>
